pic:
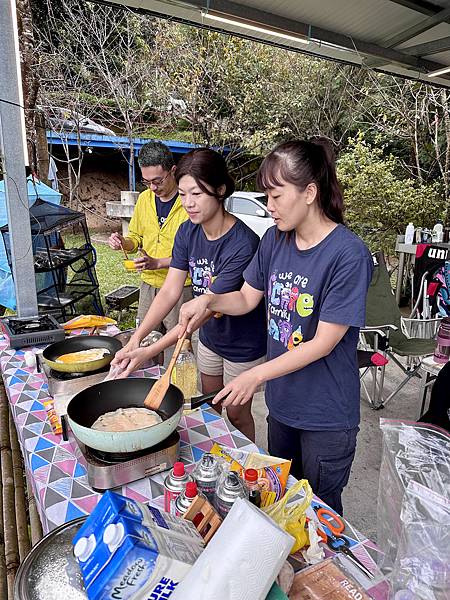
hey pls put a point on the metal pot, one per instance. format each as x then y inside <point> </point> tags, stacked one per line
<point>87,406</point>
<point>76,344</point>
<point>50,570</point>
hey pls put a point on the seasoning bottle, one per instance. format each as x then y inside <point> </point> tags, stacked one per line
<point>254,489</point>
<point>184,375</point>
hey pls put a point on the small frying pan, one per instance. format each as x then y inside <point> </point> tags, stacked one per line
<point>85,408</point>
<point>76,344</point>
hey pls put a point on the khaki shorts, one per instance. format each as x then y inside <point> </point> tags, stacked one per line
<point>147,295</point>
<point>210,363</point>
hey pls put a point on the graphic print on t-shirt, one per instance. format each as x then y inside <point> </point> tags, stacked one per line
<point>202,274</point>
<point>288,299</point>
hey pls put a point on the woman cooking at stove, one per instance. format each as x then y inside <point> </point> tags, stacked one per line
<point>214,248</point>
<point>314,275</point>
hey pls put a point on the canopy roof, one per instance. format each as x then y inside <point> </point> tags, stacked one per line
<point>410,38</point>
<point>36,190</point>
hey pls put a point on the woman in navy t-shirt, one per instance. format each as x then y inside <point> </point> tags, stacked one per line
<point>314,275</point>
<point>214,248</point>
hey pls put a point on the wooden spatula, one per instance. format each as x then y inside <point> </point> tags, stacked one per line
<point>156,394</point>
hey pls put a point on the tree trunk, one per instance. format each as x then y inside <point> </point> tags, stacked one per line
<point>30,80</point>
<point>447,147</point>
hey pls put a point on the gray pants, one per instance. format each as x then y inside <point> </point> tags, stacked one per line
<point>147,295</point>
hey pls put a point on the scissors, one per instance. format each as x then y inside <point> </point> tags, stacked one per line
<point>335,540</point>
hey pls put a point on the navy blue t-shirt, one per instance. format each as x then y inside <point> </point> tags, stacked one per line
<point>329,283</point>
<point>163,208</point>
<point>218,265</point>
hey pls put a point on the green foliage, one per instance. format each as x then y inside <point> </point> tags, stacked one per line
<point>379,202</point>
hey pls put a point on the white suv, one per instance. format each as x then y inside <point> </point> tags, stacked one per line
<point>250,207</point>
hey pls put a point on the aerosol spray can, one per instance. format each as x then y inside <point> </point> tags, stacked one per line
<point>229,487</point>
<point>206,473</point>
<point>174,484</point>
<point>185,499</point>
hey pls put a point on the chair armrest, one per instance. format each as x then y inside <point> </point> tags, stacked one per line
<point>434,320</point>
<point>382,329</point>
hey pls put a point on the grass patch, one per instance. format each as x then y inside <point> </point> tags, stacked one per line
<point>110,273</point>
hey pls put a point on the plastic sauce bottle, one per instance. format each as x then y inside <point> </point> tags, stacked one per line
<point>184,375</point>
<point>409,234</point>
<point>254,489</point>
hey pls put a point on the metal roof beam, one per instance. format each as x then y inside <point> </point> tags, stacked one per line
<point>419,28</point>
<point>428,48</point>
<point>233,9</point>
<point>422,6</point>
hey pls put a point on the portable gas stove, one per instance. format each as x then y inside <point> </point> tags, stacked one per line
<point>69,384</point>
<point>106,470</point>
<point>31,331</point>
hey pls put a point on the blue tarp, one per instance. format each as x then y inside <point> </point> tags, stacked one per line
<point>36,189</point>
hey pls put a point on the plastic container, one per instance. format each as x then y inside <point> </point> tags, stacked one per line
<point>442,350</point>
<point>129,265</point>
<point>438,233</point>
<point>409,234</point>
<point>254,488</point>
<point>184,375</point>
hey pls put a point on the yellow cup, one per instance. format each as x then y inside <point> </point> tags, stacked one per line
<point>129,265</point>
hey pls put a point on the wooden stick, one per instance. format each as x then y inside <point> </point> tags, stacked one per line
<point>35,521</point>
<point>124,251</point>
<point>3,586</point>
<point>19,491</point>
<point>9,513</point>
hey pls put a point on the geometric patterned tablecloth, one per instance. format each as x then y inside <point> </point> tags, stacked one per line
<point>57,471</point>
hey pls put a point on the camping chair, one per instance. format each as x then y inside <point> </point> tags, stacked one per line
<point>386,330</point>
<point>372,362</point>
<point>430,289</point>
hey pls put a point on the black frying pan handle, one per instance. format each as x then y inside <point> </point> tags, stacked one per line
<point>197,401</point>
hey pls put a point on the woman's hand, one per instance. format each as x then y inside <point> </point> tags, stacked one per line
<point>194,313</point>
<point>240,390</point>
<point>120,360</point>
<point>135,360</point>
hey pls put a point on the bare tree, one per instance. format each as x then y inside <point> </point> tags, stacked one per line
<point>29,60</point>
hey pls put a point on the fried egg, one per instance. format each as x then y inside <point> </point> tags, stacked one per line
<point>83,356</point>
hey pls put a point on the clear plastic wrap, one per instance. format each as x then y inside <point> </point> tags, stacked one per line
<point>414,509</point>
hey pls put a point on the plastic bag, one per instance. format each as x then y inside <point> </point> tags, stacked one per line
<point>422,565</point>
<point>84,321</point>
<point>292,518</point>
<point>415,471</point>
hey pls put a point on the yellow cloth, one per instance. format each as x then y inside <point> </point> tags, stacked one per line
<point>144,231</point>
<point>88,321</point>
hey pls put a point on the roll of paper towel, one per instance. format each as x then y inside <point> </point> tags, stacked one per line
<point>241,561</point>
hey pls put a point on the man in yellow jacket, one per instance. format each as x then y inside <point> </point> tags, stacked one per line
<point>153,226</point>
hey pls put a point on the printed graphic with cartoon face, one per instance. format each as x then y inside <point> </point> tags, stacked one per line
<point>288,301</point>
<point>305,305</point>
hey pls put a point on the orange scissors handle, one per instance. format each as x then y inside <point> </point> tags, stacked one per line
<point>331,519</point>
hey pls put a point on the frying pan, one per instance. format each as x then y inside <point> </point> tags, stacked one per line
<point>77,343</point>
<point>85,408</point>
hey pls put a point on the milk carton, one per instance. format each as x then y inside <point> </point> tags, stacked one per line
<point>127,550</point>
<point>112,505</point>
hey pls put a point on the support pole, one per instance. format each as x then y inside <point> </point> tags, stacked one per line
<point>12,147</point>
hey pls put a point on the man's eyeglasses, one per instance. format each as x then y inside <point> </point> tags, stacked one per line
<point>158,181</point>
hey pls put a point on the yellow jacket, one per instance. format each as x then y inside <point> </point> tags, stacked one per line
<point>145,232</point>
